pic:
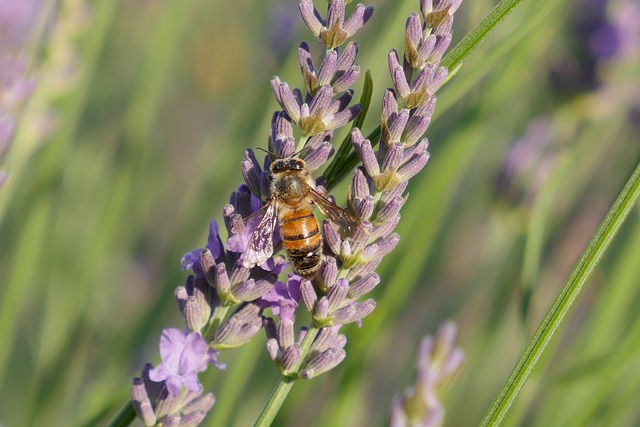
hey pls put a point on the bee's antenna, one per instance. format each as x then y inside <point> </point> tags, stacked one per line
<point>297,153</point>
<point>268,152</point>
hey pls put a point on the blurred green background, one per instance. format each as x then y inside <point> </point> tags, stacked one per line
<point>132,142</point>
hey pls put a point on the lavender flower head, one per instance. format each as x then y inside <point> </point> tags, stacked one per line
<point>438,362</point>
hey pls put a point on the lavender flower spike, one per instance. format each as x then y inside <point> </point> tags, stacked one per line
<point>335,30</point>
<point>438,361</point>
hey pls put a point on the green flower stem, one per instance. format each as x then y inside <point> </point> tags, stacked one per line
<point>285,384</point>
<point>125,416</point>
<point>581,272</point>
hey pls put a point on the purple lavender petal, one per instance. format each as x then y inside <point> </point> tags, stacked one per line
<point>393,158</point>
<point>364,150</point>
<point>327,68</point>
<point>358,18</point>
<point>335,14</point>
<point>348,57</point>
<point>413,166</point>
<point>286,99</point>
<point>308,295</point>
<point>346,80</point>
<point>343,117</point>
<point>182,356</point>
<point>397,74</point>
<point>311,17</point>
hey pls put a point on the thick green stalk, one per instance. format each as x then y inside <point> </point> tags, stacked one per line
<point>581,272</point>
<point>124,417</point>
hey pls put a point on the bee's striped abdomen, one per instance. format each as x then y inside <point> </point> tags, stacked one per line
<point>301,237</point>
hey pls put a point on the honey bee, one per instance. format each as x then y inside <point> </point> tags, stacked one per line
<point>292,196</point>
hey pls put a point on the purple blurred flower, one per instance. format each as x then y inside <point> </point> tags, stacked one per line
<point>438,362</point>
<point>17,18</point>
<point>183,354</point>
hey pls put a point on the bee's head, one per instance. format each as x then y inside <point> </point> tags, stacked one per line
<point>287,164</point>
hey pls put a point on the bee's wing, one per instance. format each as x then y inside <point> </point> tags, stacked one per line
<point>342,218</point>
<point>260,245</point>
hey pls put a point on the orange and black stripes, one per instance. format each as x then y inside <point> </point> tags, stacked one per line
<point>301,237</point>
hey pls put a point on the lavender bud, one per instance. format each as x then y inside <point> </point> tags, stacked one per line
<point>286,99</point>
<point>282,137</point>
<point>414,165</point>
<point>358,18</point>
<point>390,210</point>
<point>385,229</point>
<point>272,348</point>
<point>239,328</point>
<point>343,117</point>
<point>328,274</point>
<point>360,184</point>
<point>346,80</point>
<point>331,237</point>
<point>310,16</point>
<point>290,357</point>
<point>202,404</point>
<point>397,74</point>
<point>319,156</point>
<point>364,208</point>
<point>141,402</point>
<point>327,68</point>
<point>360,236</point>
<point>384,247</point>
<point>239,274</point>
<point>207,265</point>
<point>324,362</point>
<point>306,67</point>
<point>223,285</point>
<point>181,296</point>
<point>192,315</point>
<point>308,295</point>
<point>364,150</point>
<point>363,270</point>
<point>438,79</point>
<point>347,59</point>
<point>251,172</point>
<point>389,195</point>
<point>393,158</point>
<point>396,127</point>
<point>192,419</point>
<point>285,328</point>
<point>321,310</point>
<point>337,294</point>
<point>363,286</point>
<point>415,129</point>
<point>354,312</point>
<point>328,338</point>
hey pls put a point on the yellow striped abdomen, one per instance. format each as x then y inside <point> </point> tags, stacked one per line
<point>301,237</point>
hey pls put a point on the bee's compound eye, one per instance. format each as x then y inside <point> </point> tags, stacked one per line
<point>277,166</point>
<point>297,164</point>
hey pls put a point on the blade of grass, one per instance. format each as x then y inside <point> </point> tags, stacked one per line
<point>582,271</point>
